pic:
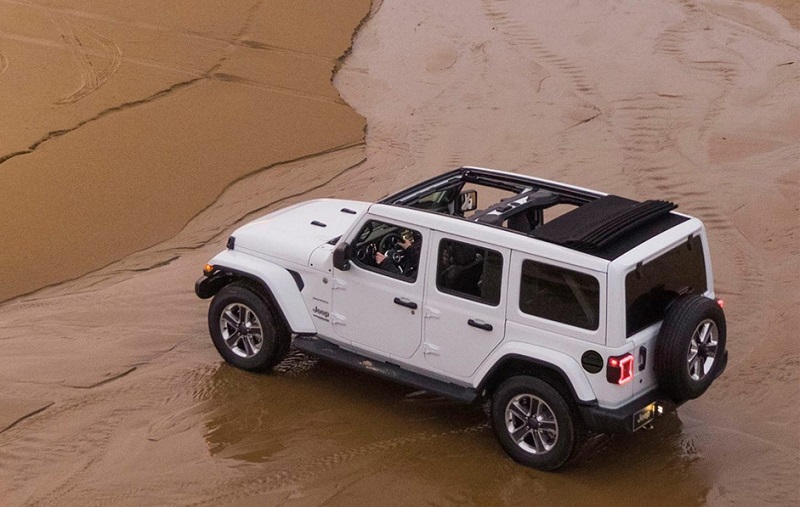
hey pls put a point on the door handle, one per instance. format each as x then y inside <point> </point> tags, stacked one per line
<point>480,324</point>
<point>405,302</point>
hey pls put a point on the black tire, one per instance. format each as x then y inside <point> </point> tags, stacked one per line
<point>690,347</point>
<point>545,442</point>
<point>235,315</point>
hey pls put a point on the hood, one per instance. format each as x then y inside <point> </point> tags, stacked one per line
<point>293,233</point>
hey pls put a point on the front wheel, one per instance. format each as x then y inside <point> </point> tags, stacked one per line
<point>245,329</point>
<point>534,423</point>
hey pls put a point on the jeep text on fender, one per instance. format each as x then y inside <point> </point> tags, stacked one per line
<point>571,310</point>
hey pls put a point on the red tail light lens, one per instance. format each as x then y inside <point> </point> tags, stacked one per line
<point>620,369</point>
<point>721,303</point>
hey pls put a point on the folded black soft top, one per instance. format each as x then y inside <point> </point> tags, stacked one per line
<point>609,226</point>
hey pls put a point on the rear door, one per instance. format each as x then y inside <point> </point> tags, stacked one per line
<point>465,300</point>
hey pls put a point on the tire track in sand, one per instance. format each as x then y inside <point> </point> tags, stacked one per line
<point>251,483</point>
<point>3,63</point>
<point>69,458</point>
<point>681,41</point>
<point>649,126</point>
<point>91,79</point>
<point>227,490</point>
<point>566,70</point>
<point>521,38</point>
<point>70,461</point>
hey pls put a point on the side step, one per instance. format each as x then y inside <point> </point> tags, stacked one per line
<point>327,350</point>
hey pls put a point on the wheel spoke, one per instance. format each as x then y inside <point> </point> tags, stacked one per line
<point>711,350</point>
<point>540,410</point>
<point>230,318</point>
<point>233,339</point>
<point>549,426</point>
<point>697,368</point>
<point>701,367</point>
<point>692,353</point>
<point>538,443</point>
<point>519,411</point>
<point>252,319</point>
<point>704,333</point>
<point>519,434</point>
<point>247,346</point>
<point>693,366</point>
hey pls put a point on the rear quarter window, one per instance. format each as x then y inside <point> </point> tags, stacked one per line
<point>650,288</point>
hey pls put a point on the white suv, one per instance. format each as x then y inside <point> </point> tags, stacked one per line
<point>570,309</point>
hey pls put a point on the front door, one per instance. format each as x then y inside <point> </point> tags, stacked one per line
<point>465,304</point>
<point>377,303</point>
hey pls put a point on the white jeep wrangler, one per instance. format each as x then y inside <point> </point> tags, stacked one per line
<point>570,309</point>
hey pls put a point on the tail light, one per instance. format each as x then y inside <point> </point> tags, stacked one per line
<point>620,369</point>
<point>721,303</point>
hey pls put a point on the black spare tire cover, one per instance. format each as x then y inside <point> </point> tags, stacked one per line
<point>690,347</point>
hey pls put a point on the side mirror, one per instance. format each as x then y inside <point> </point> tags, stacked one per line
<point>341,256</point>
<point>468,200</point>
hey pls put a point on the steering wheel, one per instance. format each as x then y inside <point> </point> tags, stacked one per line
<point>397,255</point>
<point>366,252</point>
<point>390,241</point>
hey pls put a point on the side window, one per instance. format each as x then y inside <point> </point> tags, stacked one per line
<point>469,271</point>
<point>559,294</point>
<point>388,249</point>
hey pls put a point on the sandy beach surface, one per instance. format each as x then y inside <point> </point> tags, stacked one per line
<point>136,137</point>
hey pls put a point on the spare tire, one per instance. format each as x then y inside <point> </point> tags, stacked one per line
<point>690,347</point>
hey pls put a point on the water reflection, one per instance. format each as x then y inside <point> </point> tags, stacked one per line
<point>315,425</point>
<point>306,405</point>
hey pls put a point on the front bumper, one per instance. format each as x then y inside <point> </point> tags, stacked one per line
<point>208,285</point>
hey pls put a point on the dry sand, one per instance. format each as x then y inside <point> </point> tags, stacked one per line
<point>110,390</point>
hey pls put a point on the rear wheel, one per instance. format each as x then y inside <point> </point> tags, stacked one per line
<point>534,423</point>
<point>246,330</point>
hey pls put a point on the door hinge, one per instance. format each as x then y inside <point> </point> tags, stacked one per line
<point>429,349</point>
<point>338,319</point>
<point>432,313</point>
<point>338,283</point>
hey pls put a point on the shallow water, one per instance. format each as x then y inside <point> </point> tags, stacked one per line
<point>112,393</point>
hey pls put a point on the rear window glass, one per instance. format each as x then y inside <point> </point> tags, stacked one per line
<point>559,294</point>
<point>650,288</point>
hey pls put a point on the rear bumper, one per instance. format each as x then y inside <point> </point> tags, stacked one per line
<point>632,416</point>
<point>624,419</point>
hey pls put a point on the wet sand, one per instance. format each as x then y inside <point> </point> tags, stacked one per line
<point>110,389</point>
<point>121,123</point>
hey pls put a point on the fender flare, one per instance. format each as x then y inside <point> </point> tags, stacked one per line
<point>277,283</point>
<point>563,365</point>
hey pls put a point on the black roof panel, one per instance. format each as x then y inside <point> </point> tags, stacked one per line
<point>609,226</point>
